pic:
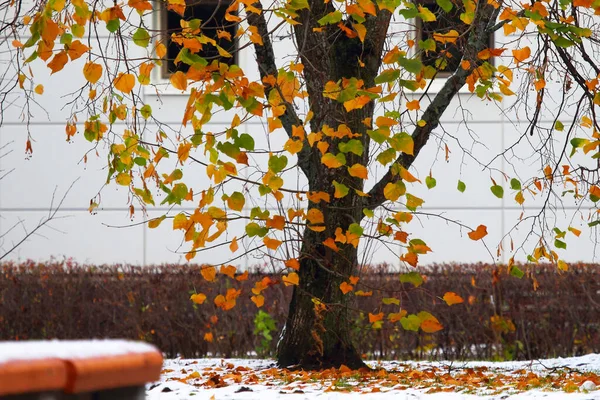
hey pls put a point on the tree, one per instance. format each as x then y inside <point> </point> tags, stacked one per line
<point>356,99</point>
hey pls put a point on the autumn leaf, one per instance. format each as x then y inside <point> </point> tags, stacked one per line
<point>291,279</point>
<point>293,264</point>
<point>179,80</point>
<point>233,247</point>
<point>198,298</point>
<point>521,55</point>
<point>208,272</point>
<point>58,62</point>
<point>413,105</point>
<point>431,325</point>
<point>124,82</point>
<point>39,89</point>
<point>478,233</point>
<point>272,244</point>
<point>358,171</point>
<point>76,50</point>
<point>92,72</point>
<point>375,317</point>
<point>258,300</point>
<point>452,298</point>
<point>345,287</point>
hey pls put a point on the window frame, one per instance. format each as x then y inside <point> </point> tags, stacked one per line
<point>165,35</point>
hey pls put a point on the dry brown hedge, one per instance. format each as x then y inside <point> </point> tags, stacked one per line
<point>503,317</point>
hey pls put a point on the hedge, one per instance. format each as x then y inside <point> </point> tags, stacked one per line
<point>546,313</point>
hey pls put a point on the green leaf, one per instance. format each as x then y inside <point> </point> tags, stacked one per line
<point>412,65</point>
<point>412,277</point>
<point>141,37</point>
<point>559,126</point>
<point>461,186</point>
<point>254,229</point>
<point>388,75</point>
<point>331,18</point>
<point>256,212</point>
<point>445,5</point>
<point>277,163</point>
<point>66,38</point>
<point>577,143</point>
<point>411,323</point>
<point>427,45</point>
<point>430,182</point>
<point>113,25</point>
<point>387,156</point>
<point>563,42</point>
<point>559,244</point>
<point>180,190</point>
<point>341,190</point>
<point>498,191</point>
<point>515,184</point>
<point>515,271</point>
<point>352,146</point>
<point>245,141</point>
<point>390,300</point>
<point>355,229</point>
<point>146,111</point>
<point>368,213</point>
<point>141,161</point>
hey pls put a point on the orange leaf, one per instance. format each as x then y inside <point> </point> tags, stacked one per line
<point>315,216</point>
<point>413,105</point>
<point>208,272</point>
<point>242,277</point>
<point>452,298</point>
<point>198,298</point>
<point>58,62</point>
<point>92,72</point>
<point>228,270</point>
<point>234,245</point>
<point>431,325</point>
<point>354,279</point>
<point>329,242</point>
<point>293,264</point>
<point>208,337</point>
<point>272,244</point>
<point>39,89</point>
<point>179,80</point>
<point>375,317</point>
<point>76,50</point>
<point>291,279</point>
<point>258,300</point>
<point>316,197</point>
<point>521,55</point>
<point>358,171</point>
<point>478,233</point>
<point>124,82</point>
<point>345,287</point>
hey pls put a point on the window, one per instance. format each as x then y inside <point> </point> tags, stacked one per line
<point>446,57</point>
<point>211,13</point>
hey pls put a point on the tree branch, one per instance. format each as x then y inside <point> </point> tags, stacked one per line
<point>265,60</point>
<point>478,40</point>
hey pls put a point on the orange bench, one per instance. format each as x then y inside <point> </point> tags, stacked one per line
<point>98,369</point>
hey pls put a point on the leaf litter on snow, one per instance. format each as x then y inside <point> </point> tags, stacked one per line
<point>261,379</point>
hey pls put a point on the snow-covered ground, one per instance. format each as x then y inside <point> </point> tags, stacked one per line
<point>573,378</point>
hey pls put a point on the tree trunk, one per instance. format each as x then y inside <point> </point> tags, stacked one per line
<point>317,331</point>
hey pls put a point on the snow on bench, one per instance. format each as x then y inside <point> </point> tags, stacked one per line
<point>49,369</point>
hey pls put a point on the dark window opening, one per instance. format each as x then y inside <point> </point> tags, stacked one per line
<point>212,14</point>
<point>447,56</point>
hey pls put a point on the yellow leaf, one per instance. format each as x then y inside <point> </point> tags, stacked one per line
<point>293,146</point>
<point>407,176</point>
<point>519,198</point>
<point>92,72</point>
<point>259,300</point>
<point>478,233</point>
<point>452,298</point>
<point>124,82</point>
<point>450,37</point>
<point>272,244</point>
<point>358,171</point>
<point>198,298</point>
<point>345,287</point>
<point>575,231</point>
<point>39,89</point>
<point>179,80</point>
<point>361,31</point>
<point>331,161</point>
<point>291,279</point>
<point>223,52</point>
<point>393,191</point>
<point>209,273</point>
<point>123,179</point>
<point>155,222</point>
<point>563,266</point>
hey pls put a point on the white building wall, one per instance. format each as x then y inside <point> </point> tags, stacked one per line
<point>110,235</point>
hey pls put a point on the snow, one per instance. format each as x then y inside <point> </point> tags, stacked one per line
<point>69,349</point>
<point>246,379</point>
